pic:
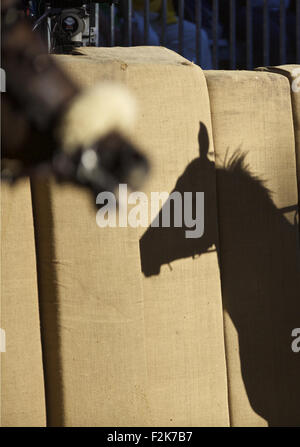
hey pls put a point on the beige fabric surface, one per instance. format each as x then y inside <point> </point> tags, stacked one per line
<point>22,382</point>
<point>251,112</point>
<point>292,72</point>
<point>133,349</point>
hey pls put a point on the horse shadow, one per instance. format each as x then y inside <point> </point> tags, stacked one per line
<point>162,245</point>
<point>260,276</point>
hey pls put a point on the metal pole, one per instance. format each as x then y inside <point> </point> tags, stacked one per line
<point>232,34</point>
<point>198,14</point>
<point>49,34</point>
<point>163,23</point>
<point>249,36</point>
<point>146,21</point>
<point>282,32</point>
<point>266,34</point>
<point>97,31</point>
<point>180,26</point>
<point>129,23</point>
<point>215,34</point>
<point>112,25</point>
<point>298,30</point>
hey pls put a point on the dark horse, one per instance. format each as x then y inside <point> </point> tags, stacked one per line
<point>44,121</point>
<point>259,267</point>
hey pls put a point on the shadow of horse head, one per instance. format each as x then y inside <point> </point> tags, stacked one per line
<point>192,227</point>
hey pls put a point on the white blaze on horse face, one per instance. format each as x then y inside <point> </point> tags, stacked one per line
<point>103,108</point>
<point>106,216</point>
<point>198,222</point>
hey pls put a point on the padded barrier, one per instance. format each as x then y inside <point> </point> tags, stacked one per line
<point>257,204</point>
<point>22,381</point>
<point>133,348</point>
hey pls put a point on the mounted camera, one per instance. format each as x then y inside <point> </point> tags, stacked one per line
<point>69,23</point>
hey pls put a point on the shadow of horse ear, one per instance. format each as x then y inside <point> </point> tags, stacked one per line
<point>203,140</point>
<point>164,244</point>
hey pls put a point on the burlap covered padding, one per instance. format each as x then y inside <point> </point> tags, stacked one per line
<point>292,72</point>
<point>22,381</point>
<point>133,348</point>
<point>257,204</point>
